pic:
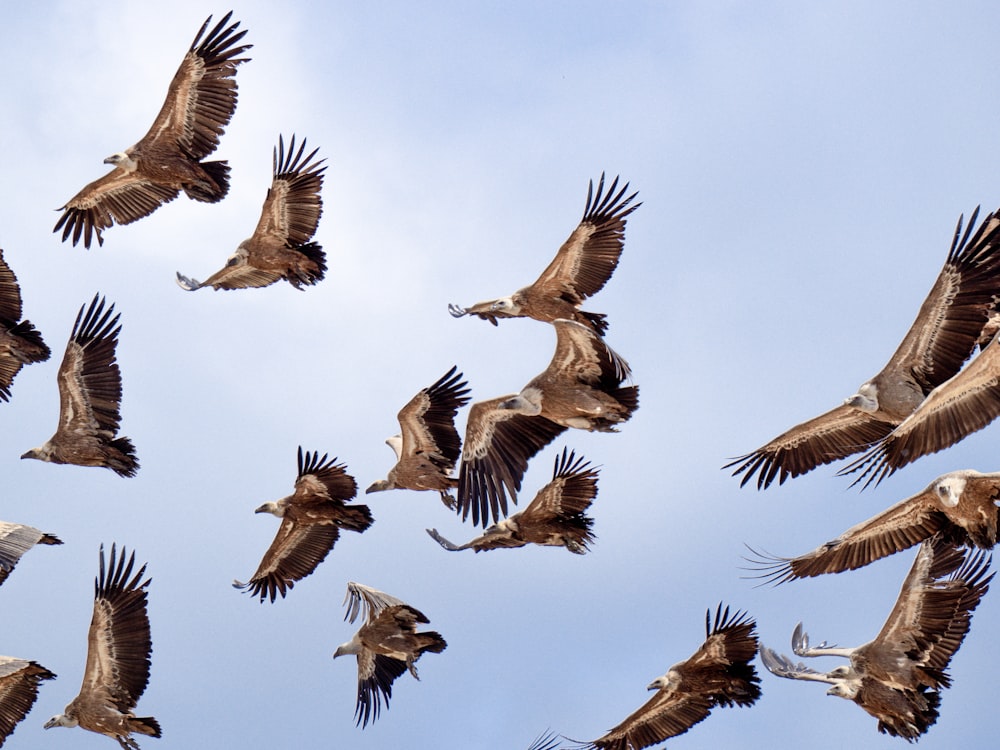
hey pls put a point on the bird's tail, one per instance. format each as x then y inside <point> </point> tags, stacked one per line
<point>356,518</point>
<point>123,459</point>
<point>30,348</point>
<point>144,725</point>
<point>312,268</point>
<point>214,189</point>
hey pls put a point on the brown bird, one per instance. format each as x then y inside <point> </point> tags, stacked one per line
<point>428,446</point>
<point>719,673</point>
<point>199,104</point>
<point>15,540</point>
<point>580,269</point>
<point>311,520</point>
<point>280,247</point>
<point>19,681</point>
<point>897,678</point>
<point>90,393</point>
<point>557,517</point>
<point>941,339</point>
<point>581,388</point>
<point>960,506</point>
<point>387,645</point>
<point>118,651</point>
<point>20,343</point>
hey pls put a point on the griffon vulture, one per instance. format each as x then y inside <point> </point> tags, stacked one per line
<point>118,651</point>
<point>580,388</point>
<point>580,269</point>
<point>281,246</point>
<point>897,678</point>
<point>20,343</point>
<point>960,506</point>
<point>719,673</point>
<point>15,540</point>
<point>311,520</point>
<point>428,446</point>
<point>941,339</point>
<point>387,645</point>
<point>199,104</point>
<point>19,680</point>
<point>90,392</point>
<point>557,517</point>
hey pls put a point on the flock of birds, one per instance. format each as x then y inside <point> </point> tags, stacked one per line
<point>924,400</point>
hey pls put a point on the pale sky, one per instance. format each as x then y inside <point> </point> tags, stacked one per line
<point>801,169</point>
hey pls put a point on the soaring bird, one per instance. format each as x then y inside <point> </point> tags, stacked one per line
<point>581,388</point>
<point>719,673</point>
<point>118,651</point>
<point>90,392</point>
<point>580,269</point>
<point>557,517</point>
<point>311,520</point>
<point>943,336</point>
<point>428,446</point>
<point>199,104</point>
<point>387,645</point>
<point>897,677</point>
<point>20,343</point>
<point>281,246</point>
<point>19,681</point>
<point>15,540</point>
<point>960,506</point>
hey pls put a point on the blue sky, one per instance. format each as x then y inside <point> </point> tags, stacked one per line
<point>801,170</point>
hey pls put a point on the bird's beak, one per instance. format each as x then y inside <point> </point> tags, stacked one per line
<point>261,509</point>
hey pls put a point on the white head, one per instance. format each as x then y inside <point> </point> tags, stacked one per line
<point>41,453</point>
<point>865,399</point>
<point>504,304</point>
<point>61,720</point>
<point>949,489</point>
<point>669,681</point>
<point>274,507</point>
<point>123,161</point>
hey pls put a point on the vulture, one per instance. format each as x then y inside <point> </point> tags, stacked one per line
<point>428,446</point>
<point>960,506</point>
<point>311,520</point>
<point>581,388</point>
<point>199,104</point>
<point>580,269</point>
<point>719,673</point>
<point>15,540</point>
<point>387,645</point>
<point>90,392</point>
<point>897,678</point>
<point>555,518</point>
<point>281,246</point>
<point>943,336</point>
<point>20,343</point>
<point>118,651</point>
<point>19,681</point>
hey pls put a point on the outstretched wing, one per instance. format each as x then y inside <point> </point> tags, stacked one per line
<point>19,680</point>
<point>428,420</point>
<point>322,479</point>
<point>368,602</point>
<point>15,540</point>
<point>293,205</point>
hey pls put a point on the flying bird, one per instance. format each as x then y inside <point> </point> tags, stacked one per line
<point>199,104</point>
<point>387,645</point>
<point>90,393</point>
<point>311,520</point>
<point>20,343</point>
<point>15,540</point>
<point>581,388</point>
<point>580,269</point>
<point>960,506</point>
<point>557,517</point>
<point>428,446</point>
<point>897,677</point>
<point>941,339</point>
<point>719,673</point>
<point>118,651</point>
<point>281,246</point>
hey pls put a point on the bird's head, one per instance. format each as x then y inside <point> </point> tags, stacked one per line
<point>61,720</point>
<point>122,160</point>
<point>379,486</point>
<point>274,508</point>
<point>866,399</point>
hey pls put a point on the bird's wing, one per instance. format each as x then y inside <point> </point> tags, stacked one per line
<point>322,479</point>
<point>366,601</point>
<point>427,421</point>
<point>293,205</point>
<point>296,551</point>
<point>19,679</point>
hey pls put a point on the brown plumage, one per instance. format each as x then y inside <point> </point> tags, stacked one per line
<point>311,520</point>
<point>557,517</point>
<point>118,657</point>
<point>20,343</point>
<point>387,645</point>
<point>719,673</point>
<point>580,269</point>
<point>15,540</point>
<point>428,446</point>
<point>897,677</point>
<point>19,681</point>
<point>280,247</point>
<point>960,506</point>
<point>199,104</point>
<point>581,388</point>
<point>90,393</point>
<point>939,341</point>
